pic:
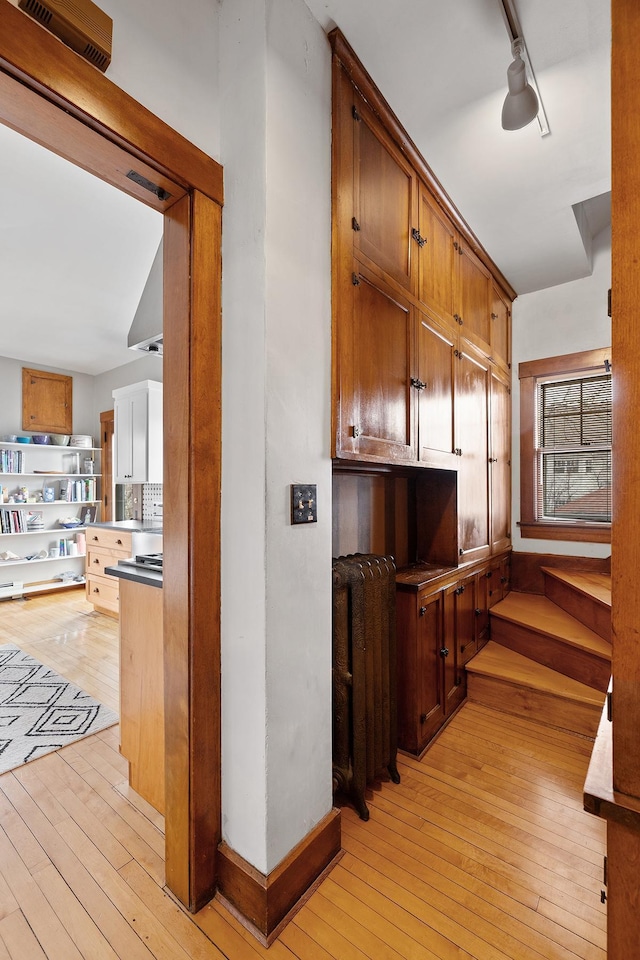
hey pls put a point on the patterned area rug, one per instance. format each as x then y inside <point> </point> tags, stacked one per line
<point>40,711</point>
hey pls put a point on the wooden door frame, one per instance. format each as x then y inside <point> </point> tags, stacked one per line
<point>53,96</point>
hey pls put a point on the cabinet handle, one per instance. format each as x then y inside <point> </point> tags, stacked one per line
<point>119,541</point>
<point>458,318</point>
<point>423,717</point>
<point>493,459</point>
<point>422,611</point>
<point>96,590</point>
<point>418,384</point>
<point>418,239</point>
<point>96,561</point>
<point>478,611</point>
<point>444,652</point>
<point>494,316</point>
<point>459,590</point>
<point>503,579</point>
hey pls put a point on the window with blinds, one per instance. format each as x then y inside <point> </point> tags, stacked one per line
<point>573,449</point>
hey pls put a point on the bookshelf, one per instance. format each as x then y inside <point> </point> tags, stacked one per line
<point>40,486</point>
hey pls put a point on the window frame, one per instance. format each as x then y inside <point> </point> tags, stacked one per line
<point>529,373</point>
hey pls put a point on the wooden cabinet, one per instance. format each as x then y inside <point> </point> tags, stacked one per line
<point>442,620</point>
<point>499,579</point>
<point>385,197</point>
<point>138,433</point>
<point>472,442</point>
<point>474,304</point>
<point>47,401</point>
<point>105,547</point>
<point>437,259</point>
<point>500,328</point>
<point>436,355</point>
<point>500,461</point>
<point>376,409</point>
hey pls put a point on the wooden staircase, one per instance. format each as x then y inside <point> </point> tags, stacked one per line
<point>549,657</point>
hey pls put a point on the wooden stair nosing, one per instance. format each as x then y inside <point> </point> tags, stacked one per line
<point>544,617</point>
<point>587,584</point>
<point>510,666</point>
<point>579,601</point>
<point>553,654</point>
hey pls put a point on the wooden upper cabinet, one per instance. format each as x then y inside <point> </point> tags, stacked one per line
<point>474,299</point>
<point>47,401</point>
<point>472,441</point>
<point>437,258</point>
<point>376,396</point>
<point>436,357</point>
<point>384,199</point>
<point>500,461</point>
<point>500,328</point>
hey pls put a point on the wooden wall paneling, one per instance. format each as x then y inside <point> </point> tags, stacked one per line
<point>192,591</point>
<point>625,254</point>
<point>527,576</point>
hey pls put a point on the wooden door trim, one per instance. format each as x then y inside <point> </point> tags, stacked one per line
<point>53,76</point>
<point>107,426</point>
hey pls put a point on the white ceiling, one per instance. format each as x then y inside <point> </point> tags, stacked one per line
<point>75,252</point>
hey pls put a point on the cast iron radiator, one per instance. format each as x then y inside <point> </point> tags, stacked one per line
<point>365,727</point>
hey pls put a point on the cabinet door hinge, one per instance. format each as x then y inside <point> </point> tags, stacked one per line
<point>607,366</point>
<point>604,872</point>
<point>609,302</point>
<point>420,240</point>
<point>355,114</point>
<point>610,706</point>
<point>354,224</point>
<point>356,430</point>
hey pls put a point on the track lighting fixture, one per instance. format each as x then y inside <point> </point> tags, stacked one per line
<point>521,103</point>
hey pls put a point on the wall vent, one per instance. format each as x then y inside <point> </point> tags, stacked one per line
<point>80,24</point>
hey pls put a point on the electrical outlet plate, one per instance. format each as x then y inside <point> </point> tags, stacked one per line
<point>304,508</point>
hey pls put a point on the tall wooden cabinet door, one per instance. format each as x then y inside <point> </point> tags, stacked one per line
<point>500,329</point>
<point>437,258</point>
<point>376,396</point>
<point>466,619</point>
<point>435,351</point>
<point>500,461</point>
<point>472,441</point>
<point>431,699</point>
<point>474,299</point>
<point>453,674</point>
<point>385,198</point>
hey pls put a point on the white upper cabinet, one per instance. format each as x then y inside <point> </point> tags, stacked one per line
<point>138,433</point>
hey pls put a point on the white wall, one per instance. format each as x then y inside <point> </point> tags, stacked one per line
<point>145,367</point>
<point>276,600</point>
<point>568,318</point>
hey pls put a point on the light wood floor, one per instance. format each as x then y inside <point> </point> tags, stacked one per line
<point>483,850</point>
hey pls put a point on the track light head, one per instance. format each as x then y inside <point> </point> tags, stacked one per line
<point>521,103</point>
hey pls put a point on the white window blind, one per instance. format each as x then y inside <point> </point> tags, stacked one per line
<point>574,449</point>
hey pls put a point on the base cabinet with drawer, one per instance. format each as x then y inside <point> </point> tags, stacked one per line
<point>442,621</point>
<point>105,547</point>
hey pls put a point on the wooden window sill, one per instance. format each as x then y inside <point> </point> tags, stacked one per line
<point>584,532</point>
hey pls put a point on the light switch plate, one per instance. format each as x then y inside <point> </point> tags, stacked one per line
<point>304,507</point>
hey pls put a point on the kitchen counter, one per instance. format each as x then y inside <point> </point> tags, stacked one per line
<point>149,577</point>
<point>137,526</point>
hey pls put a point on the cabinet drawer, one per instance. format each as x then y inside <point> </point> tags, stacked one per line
<point>97,560</point>
<point>110,539</point>
<point>104,592</point>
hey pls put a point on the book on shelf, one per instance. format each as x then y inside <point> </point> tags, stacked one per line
<point>11,461</point>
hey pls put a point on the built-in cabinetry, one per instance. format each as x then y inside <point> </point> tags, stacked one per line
<point>442,621</point>
<point>421,364</point>
<point>42,485</point>
<point>105,547</point>
<point>138,433</point>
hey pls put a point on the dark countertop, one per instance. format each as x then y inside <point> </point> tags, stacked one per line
<point>139,526</point>
<point>150,578</point>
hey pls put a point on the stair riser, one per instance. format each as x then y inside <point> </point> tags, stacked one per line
<point>544,708</point>
<point>585,609</point>
<point>569,661</point>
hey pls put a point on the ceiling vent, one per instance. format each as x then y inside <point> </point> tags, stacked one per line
<point>79,23</point>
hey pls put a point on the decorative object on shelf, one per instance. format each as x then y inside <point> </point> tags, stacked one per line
<point>70,522</point>
<point>23,439</point>
<point>60,439</point>
<point>41,438</point>
<point>40,711</point>
<point>48,494</point>
<point>80,440</point>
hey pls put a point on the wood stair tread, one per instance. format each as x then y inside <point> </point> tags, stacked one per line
<point>545,617</point>
<point>500,663</point>
<point>596,586</point>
